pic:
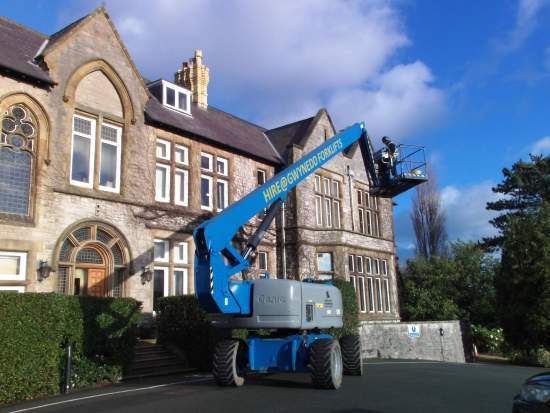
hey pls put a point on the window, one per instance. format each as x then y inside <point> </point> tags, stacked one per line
<point>109,171</point>
<point>222,187</point>
<point>160,283</point>
<point>161,250</point>
<point>171,270</point>
<point>206,192</point>
<point>325,267</point>
<point>368,262</point>
<point>317,183</point>
<point>371,294</point>
<point>221,166</point>
<point>181,154</point>
<point>18,136</point>
<point>206,161</point>
<point>387,295</point>
<point>362,296</point>
<point>180,281</point>
<point>369,219</point>
<point>377,266</point>
<point>260,177</point>
<point>162,186</point>
<point>163,149</point>
<point>378,295</point>
<point>83,150</point>
<point>359,264</point>
<point>327,202</point>
<point>13,266</point>
<point>214,189</point>
<point>181,182</point>
<point>318,210</point>
<point>176,97</point>
<point>166,172</point>
<point>262,261</point>
<point>351,263</point>
<point>180,252</point>
<point>384,267</point>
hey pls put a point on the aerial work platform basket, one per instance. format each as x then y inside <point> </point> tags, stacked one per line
<point>408,171</point>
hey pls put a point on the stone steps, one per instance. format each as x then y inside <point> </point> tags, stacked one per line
<point>152,360</point>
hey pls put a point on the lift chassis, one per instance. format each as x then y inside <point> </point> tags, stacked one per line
<point>299,311</point>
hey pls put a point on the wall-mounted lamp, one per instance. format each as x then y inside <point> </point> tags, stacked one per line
<point>146,274</point>
<point>44,270</point>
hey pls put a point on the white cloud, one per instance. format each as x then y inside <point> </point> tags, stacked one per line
<point>398,102</point>
<point>542,146</point>
<point>277,61</point>
<point>526,22</point>
<point>467,217</point>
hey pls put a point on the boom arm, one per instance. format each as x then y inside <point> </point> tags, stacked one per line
<point>216,260</point>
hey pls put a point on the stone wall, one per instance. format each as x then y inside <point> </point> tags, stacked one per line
<point>392,341</point>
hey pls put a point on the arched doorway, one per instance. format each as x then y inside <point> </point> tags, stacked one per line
<point>92,259</point>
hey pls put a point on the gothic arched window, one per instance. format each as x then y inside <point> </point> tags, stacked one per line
<point>17,160</point>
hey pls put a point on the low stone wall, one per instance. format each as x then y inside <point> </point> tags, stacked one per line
<point>431,340</point>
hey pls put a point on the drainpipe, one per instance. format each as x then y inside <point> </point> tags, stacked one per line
<point>283,240</point>
<point>350,178</point>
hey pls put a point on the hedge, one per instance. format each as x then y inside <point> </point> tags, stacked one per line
<point>36,328</point>
<point>181,321</point>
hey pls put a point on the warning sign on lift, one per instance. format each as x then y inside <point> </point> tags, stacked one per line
<point>414,330</point>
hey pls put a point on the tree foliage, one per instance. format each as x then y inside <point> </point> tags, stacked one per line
<point>428,220</point>
<point>526,186</point>
<point>455,286</point>
<point>523,280</point>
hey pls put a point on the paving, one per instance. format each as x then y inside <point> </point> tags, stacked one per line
<point>389,386</point>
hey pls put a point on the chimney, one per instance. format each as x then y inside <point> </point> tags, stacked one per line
<point>194,76</point>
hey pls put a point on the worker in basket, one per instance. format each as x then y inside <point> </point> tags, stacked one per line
<point>389,158</point>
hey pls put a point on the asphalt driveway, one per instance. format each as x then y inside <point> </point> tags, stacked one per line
<point>388,387</point>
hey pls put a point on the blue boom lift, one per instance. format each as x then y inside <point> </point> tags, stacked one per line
<point>299,311</point>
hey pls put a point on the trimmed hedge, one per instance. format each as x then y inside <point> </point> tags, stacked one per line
<point>351,309</point>
<point>36,328</point>
<point>181,321</point>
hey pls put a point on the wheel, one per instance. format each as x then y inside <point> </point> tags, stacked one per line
<point>351,355</point>
<point>229,363</point>
<point>325,359</point>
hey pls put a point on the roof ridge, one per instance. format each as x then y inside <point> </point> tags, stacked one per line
<point>21,26</point>
<point>238,118</point>
<point>291,124</point>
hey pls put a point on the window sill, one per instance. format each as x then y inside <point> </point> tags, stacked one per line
<point>19,220</point>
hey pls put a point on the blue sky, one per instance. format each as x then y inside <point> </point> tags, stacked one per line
<point>469,80</point>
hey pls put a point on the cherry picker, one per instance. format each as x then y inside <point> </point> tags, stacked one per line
<point>300,311</point>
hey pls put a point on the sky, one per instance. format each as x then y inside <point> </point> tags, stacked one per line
<point>468,80</point>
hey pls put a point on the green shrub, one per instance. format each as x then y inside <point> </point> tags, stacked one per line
<point>36,328</point>
<point>538,356</point>
<point>181,321</point>
<point>487,340</point>
<point>351,310</point>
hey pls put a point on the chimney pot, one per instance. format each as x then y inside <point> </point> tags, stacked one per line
<point>194,75</point>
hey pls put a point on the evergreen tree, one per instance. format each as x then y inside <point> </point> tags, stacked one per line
<point>525,187</point>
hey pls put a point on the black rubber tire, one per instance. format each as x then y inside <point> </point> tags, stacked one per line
<point>351,355</point>
<point>229,363</point>
<point>325,358</point>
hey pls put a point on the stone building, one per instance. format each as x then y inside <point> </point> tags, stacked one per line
<point>104,175</point>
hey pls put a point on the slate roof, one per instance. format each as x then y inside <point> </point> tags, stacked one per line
<point>215,126</point>
<point>19,45</point>
<point>291,134</point>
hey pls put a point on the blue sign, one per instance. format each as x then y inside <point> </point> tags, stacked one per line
<point>414,330</point>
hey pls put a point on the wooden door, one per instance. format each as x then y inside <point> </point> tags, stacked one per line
<point>96,282</point>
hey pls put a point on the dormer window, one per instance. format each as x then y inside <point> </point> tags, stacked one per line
<point>176,97</point>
